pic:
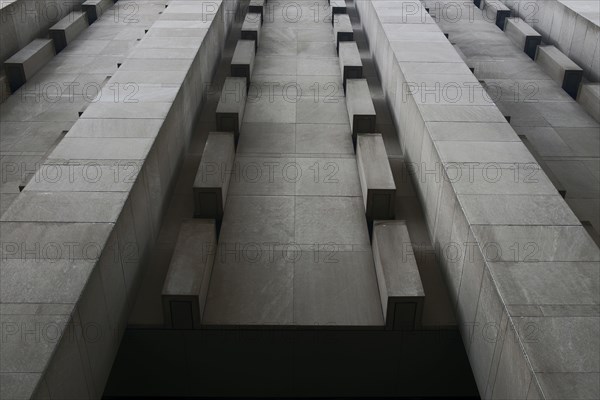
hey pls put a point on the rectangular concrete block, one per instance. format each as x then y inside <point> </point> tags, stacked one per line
<point>350,63</point>
<point>186,285</point>
<point>589,99</point>
<point>257,7</point>
<point>242,62</point>
<point>560,68</point>
<point>337,7</point>
<point>376,179</point>
<point>523,35</point>
<point>27,61</point>
<point>212,179</point>
<point>67,29</point>
<point>95,8</point>
<point>497,11</point>
<point>342,30</point>
<point>230,110</point>
<point>361,110</point>
<point>398,278</point>
<point>251,28</point>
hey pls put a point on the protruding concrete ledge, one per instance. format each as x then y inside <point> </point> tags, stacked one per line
<point>523,35</point>
<point>212,179</point>
<point>398,278</point>
<point>251,28</point>
<point>29,60</point>
<point>560,68</point>
<point>95,8</point>
<point>67,29</point>
<point>337,7</point>
<point>361,110</point>
<point>589,98</point>
<point>257,7</point>
<point>242,61</point>
<point>342,30</point>
<point>186,285</point>
<point>496,10</point>
<point>230,110</point>
<point>376,179</point>
<point>350,63</point>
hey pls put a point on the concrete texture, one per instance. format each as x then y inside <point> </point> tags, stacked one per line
<point>573,26</point>
<point>24,21</point>
<point>114,218</point>
<point>186,284</point>
<point>398,278</point>
<point>342,30</point>
<point>507,367</point>
<point>67,29</point>
<point>523,35</point>
<point>23,65</point>
<point>294,238</point>
<point>232,105</point>
<point>564,71</point>
<point>214,174</point>
<point>497,11</point>
<point>95,8</point>
<point>589,98</point>
<point>376,180</point>
<point>242,61</point>
<point>350,63</point>
<point>361,110</point>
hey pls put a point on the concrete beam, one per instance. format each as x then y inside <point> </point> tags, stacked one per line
<point>212,179</point>
<point>29,60</point>
<point>186,285</point>
<point>560,68</point>
<point>376,179</point>
<point>67,29</point>
<point>398,278</point>
<point>523,35</point>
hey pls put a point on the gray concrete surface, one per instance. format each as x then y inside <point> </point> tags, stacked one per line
<point>110,218</point>
<point>511,366</point>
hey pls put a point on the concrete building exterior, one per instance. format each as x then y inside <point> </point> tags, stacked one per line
<point>300,198</point>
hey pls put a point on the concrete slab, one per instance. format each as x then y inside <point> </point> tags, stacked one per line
<point>95,8</point>
<point>361,110</point>
<point>242,62</point>
<point>560,68</point>
<point>29,60</point>
<point>398,278</point>
<point>186,285</point>
<point>67,29</point>
<point>377,182</point>
<point>342,30</point>
<point>351,66</point>
<point>214,173</point>
<point>523,35</point>
<point>251,28</point>
<point>232,103</point>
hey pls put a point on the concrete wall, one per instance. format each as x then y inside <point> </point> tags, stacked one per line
<point>521,270</point>
<point>21,21</point>
<point>572,26</point>
<point>64,312</point>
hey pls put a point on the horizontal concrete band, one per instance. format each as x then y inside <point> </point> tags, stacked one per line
<point>73,244</point>
<point>522,271</point>
<point>571,25</point>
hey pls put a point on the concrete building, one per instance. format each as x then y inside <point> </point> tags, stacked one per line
<point>300,198</point>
